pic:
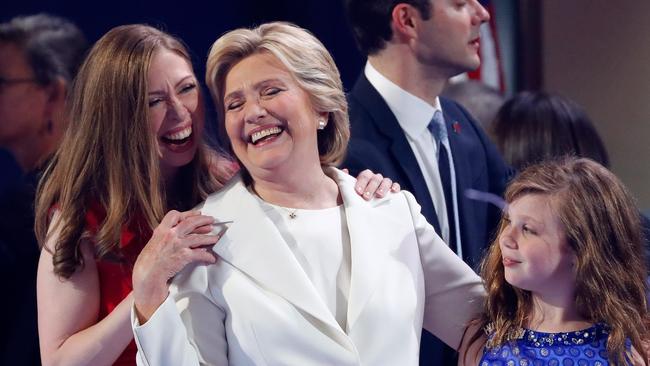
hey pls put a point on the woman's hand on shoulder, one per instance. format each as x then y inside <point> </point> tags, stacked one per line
<point>180,238</point>
<point>371,185</point>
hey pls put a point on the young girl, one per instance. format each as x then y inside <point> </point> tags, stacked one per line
<point>565,278</point>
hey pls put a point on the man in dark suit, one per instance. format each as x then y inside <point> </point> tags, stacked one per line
<point>402,129</point>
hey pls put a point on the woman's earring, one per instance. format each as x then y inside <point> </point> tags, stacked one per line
<point>322,124</point>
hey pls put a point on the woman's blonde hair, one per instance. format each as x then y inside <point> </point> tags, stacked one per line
<point>305,58</point>
<point>603,228</point>
<point>109,155</point>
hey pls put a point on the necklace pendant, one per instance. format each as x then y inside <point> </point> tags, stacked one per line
<point>292,215</point>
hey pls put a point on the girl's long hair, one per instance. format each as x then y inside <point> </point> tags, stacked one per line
<point>109,155</point>
<point>602,225</point>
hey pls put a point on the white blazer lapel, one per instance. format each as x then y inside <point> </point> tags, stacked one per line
<point>253,245</point>
<point>366,227</point>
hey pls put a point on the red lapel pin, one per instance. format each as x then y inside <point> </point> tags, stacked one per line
<point>456,126</point>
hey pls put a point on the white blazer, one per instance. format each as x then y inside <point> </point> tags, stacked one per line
<point>256,306</point>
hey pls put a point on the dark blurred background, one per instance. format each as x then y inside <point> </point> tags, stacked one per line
<point>595,52</point>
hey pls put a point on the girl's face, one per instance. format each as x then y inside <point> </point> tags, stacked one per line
<point>534,249</point>
<point>175,109</point>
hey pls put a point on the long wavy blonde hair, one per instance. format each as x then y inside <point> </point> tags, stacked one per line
<point>109,155</point>
<point>602,225</point>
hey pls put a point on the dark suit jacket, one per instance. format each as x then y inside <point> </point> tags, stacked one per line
<point>379,143</point>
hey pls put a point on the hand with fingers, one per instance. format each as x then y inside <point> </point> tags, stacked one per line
<point>180,238</point>
<point>370,184</point>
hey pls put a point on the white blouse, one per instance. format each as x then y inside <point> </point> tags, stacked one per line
<point>320,242</point>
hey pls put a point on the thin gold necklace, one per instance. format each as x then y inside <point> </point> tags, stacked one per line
<point>292,212</point>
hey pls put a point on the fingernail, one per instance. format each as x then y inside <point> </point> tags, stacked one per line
<point>358,188</point>
<point>215,223</point>
<point>366,194</point>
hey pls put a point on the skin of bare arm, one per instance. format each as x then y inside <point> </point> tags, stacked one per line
<point>68,309</point>
<point>69,332</point>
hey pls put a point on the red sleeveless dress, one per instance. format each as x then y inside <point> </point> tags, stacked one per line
<point>115,275</point>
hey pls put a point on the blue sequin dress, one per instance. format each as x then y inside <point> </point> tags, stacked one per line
<point>587,347</point>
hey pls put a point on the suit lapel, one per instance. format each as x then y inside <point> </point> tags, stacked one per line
<point>460,146</point>
<point>253,245</point>
<point>385,121</point>
<point>366,227</point>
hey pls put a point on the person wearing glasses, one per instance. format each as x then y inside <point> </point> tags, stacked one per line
<point>39,57</point>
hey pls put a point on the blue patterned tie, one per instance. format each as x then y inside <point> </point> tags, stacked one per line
<point>439,132</point>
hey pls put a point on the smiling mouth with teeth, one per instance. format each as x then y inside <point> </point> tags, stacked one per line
<point>265,134</point>
<point>178,138</point>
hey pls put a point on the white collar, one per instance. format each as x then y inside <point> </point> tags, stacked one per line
<point>412,113</point>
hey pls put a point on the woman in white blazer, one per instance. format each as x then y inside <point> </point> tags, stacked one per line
<point>309,273</point>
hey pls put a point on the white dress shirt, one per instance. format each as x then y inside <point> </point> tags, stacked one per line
<point>413,115</point>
